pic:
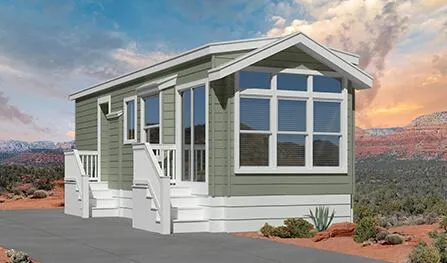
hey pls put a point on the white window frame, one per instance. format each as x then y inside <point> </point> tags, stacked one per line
<point>143,127</point>
<point>125,128</point>
<point>308,96</point>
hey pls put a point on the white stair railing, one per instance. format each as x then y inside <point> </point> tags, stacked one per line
<point>150,181</point>
<point>166,157</point>
<point>76,180</point>
<point>89,161</point>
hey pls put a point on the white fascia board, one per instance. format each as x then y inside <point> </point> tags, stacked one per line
<point>321,53</point>
<point>157,85</point>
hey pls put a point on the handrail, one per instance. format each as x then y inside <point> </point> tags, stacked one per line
<point>166,156</point>
<point>149,174</point>
<point>74,171</point>
<point>90,164</point>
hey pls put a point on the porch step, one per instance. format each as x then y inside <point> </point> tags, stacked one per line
<point>189,226</point>
<point>187,213</point>
<point>99,186</point>
<point>184,201</point>
<point>178,190</point>
<point>101,194</point>
<point>104,212</point>
<point>104,203</point>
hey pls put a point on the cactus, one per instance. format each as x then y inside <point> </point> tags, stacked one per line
<point>321,218</point>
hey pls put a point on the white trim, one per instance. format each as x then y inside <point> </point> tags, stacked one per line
<point>309,96</point>
<point>125,128</point>
<point>101,100</point>
<point>206,50</point>
<point>114,114</point>
<point>156,86</point>
<point>319,52</point>
<point>192,84</point>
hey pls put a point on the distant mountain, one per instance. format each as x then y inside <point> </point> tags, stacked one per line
<point>15,146</point>
<point>38,153</point>
<point>425,138</point>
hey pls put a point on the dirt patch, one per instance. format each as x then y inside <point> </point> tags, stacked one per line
<point>54,201</point>
<point>5,259</point>
<point>346,245</point>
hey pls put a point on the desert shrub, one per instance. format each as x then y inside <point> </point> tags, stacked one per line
<point>361,210</point>
<point>433,234</point>
<point>424,254</point>
<point>44,184</point>
<point>381,235</point>
<point>30,191</point>
<point>282,232</point>
<point>443,223</point>
<point>268,230</point>
<point>299,227</point>
<point>394,239</point>
<point>16,256</point>
<point>321,218</point>
<point>440,243</point>
<point>365,229</point>
<point>39,194</point>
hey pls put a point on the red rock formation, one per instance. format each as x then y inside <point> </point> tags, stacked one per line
<point>344,229</point>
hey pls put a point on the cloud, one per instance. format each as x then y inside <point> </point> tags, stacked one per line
<point>381,32</point>
<point>10,112</point>
<point>71,134</point>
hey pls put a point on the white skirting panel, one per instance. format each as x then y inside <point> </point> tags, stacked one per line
<point>125,202</point>
<point>249,213</point>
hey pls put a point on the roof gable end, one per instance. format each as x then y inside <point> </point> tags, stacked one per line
<point>360,78</point>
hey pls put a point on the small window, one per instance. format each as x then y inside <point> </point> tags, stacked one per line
<point>327,117</point>
<point>326,84</point>
<point>326,150</point>
<point>254,149</point>
<point>293,82</point>
<point>254,80</point>
<point>152,119</point>
<point>130,120</point>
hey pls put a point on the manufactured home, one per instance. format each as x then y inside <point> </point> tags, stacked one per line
<point>221,138</point>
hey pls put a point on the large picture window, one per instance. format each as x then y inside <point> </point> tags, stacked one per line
<point>289,122</point>
<point>130,120</point>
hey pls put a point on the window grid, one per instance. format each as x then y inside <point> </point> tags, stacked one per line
<point>309,96</point>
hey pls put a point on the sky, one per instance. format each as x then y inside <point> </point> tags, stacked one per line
<point>50,49</point>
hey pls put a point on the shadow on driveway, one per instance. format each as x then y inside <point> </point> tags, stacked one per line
<point>51,236</point>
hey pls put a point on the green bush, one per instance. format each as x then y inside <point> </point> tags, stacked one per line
<point>440,243</point>
<point>44,184</point>
<point>443,223</point>
<point>425,254</point>
<point>321,218</point>
<point>16,256</point>
<point>361,210</point>
<point>282,232</point>
<point>268,230</point>
<point>299,227</point>
<point>365,229</point>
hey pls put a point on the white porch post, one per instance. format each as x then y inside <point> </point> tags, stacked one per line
<point>85,197</point>
<point>165,205</point>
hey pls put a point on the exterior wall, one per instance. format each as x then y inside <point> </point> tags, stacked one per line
<point>117,166</point>
<point>222,179</point>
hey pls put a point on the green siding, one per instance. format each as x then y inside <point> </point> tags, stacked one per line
<point>168,116</point>
<point>117,157</point>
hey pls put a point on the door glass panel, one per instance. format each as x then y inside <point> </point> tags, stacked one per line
<point>186,133</point>
<point>199,134</point>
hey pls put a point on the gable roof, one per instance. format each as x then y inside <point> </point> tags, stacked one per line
<point>350,71</point>
<point>200,52</point>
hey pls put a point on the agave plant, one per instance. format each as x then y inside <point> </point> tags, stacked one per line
<point>321,218</point>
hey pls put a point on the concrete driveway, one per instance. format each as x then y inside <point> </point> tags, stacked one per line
<point>51,236</point>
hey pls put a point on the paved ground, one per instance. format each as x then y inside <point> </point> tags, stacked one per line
<point>51,236</point>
